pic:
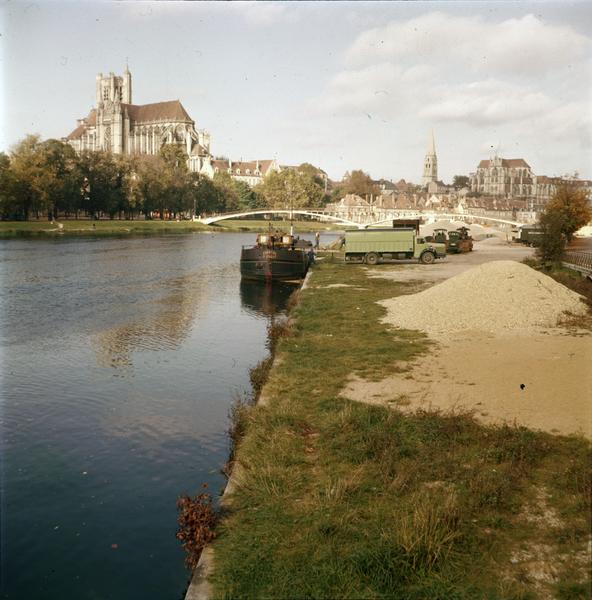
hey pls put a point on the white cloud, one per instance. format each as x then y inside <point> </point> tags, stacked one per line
<point>443,68</point>
<point>520,86</point>
<point>255,13</point>
<point>526,47</point>
<point>259,13</point>
<point>486,102</point>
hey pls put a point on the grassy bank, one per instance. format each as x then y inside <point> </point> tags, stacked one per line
<point>338,499</point>
<point>102,227</point>
<point>107,227</point>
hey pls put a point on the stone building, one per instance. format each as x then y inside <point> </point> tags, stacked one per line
<point>119,126</point>
<point>513,178</point>
<point>251,172</point>
<point>506,177</point>
<point>430,163</point>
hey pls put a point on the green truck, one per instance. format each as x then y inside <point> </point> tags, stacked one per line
<point>372,246</point>
<point>529,235</point>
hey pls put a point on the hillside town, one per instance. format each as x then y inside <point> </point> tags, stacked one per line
<point>123,159</point>
<point>502,187</point>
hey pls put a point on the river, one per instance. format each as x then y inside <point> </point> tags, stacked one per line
<point>120,360</point>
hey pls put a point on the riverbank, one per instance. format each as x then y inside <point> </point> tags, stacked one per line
<point>342,497</point>
<point>105,227</point>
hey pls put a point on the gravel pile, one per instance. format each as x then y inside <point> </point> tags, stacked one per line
<point>497,296</point>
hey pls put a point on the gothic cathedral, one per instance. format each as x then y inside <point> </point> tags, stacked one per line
<point>116,125</point>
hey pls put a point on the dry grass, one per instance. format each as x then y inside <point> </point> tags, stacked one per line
<point>345,500</point>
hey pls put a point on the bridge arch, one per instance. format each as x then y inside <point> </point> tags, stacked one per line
<point>325,216</point>
<point>273,211</point>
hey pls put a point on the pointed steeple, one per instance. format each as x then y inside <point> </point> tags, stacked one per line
<point>431,144</point>
<point>430,162</point>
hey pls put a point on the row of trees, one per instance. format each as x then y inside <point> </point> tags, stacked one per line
<point>47,178</point>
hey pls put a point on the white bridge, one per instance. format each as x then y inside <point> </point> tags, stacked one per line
<point>368,218</point>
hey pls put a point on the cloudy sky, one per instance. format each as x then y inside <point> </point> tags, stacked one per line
<point>342,85</point>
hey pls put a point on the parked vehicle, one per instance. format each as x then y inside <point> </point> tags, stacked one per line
<point>373,246</point>
<point>459,241</point>
<point>529,235</point>
<point>440,235</point>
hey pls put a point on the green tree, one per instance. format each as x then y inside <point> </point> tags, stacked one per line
<point>58,179</point>
<point>227,188</point>
<point>149,184</point>
<point>552,240</point>
<point>290,189</point>
<point>460,181</point>
<point>103,183</point>
<point>210,199</point>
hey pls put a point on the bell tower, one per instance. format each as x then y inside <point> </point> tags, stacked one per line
<point>430,163</point>
<point>111,92</point>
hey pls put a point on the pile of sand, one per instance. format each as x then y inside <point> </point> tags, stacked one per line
<point>499,296</point>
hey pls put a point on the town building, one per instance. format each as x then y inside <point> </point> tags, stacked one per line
<point>119,126</point>
<point>506,177</point>
<point>513,178</point>
<point>430,163</point>
<point>251,172</point>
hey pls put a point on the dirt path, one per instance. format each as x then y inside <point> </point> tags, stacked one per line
<point>542,381</point>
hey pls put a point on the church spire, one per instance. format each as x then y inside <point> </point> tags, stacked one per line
<point>431,144</point>
<point>430,163</point>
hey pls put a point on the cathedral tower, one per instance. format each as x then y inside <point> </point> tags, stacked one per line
<point>430,163</point>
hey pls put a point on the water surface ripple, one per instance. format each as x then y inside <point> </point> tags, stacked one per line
<point>120,358</point>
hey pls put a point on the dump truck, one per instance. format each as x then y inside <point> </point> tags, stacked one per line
<point>372,246</point>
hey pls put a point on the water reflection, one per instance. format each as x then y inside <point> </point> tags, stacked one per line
<point>109,449</point>
<point>265,298</point>
<point>165,323</point>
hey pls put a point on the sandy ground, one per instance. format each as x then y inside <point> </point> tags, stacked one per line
<point>484,251</point>
<point>542,381</point>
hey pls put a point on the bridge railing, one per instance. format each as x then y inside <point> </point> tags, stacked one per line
<point>578,261</point>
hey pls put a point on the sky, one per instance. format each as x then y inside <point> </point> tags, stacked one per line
<point>342,85</point>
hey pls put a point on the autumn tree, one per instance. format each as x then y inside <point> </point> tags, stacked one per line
<point>25,173</point>
<point>566,212</point>
<point>6,187</point>
<point>572,204</point>
<point>290,189</point>
<point>357,182</point>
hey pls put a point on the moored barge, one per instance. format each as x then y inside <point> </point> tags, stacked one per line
<point>276,256</point>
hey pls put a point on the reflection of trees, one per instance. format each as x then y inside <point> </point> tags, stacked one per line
<point>265,298</point>
<point>162,325</point>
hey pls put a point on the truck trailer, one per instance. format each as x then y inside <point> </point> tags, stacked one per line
<point>372,246</point>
